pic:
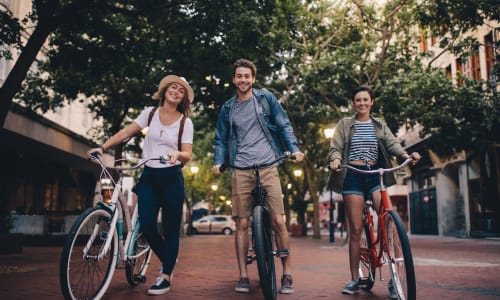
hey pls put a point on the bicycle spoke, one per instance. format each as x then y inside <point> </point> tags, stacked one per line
<point>400,257</point>
<point>83,274</point>
<point>140,254</point>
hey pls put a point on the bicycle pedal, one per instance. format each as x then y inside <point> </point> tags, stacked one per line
<point>250,259</point>
<point>282,253</point>
<point>139,279</point>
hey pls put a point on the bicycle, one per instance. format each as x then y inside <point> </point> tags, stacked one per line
<point>394,246</point>
<point>95,243</point>
<point>262,247</point>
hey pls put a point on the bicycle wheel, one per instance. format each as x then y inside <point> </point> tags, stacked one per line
<point>401,260</point>
<point>139,255</point>
<point>82,274</point>
<point>366,261</point>
<point>262,234</point>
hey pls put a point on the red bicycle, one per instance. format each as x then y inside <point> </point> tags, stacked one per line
<point>390,246</point>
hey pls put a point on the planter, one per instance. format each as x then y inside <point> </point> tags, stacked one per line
<point>29,224</point>
<point>11,243</point>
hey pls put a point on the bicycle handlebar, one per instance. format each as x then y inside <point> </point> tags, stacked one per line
<point>97,157</point>
<point>286,154</point>
<point>380,170</point>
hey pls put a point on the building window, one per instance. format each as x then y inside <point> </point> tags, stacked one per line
<point>469,67</point>
<point>448,72</point>
<point>423,40</point>
<point>460,71</point>
<point>489,49</point>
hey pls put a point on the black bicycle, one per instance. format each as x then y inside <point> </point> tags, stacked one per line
<point>262,234</point>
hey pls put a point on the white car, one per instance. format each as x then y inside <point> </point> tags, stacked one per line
<point>214,224</point>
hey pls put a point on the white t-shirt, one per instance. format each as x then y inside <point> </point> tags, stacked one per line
<point>162,139</point>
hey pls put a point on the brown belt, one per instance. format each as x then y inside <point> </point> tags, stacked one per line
<point>362,162</point>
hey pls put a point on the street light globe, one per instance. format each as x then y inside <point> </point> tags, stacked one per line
<point>297,172</point>
<point>214,187</point>
<point>194,169</point>
<point>329,132</point>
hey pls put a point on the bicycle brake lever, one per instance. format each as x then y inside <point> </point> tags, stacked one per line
<point>94,155</point>
<point>222,168</point>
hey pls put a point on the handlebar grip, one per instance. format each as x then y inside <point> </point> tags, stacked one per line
<point>94,155</point>
<point>162,160</point>
<point>222,168</point>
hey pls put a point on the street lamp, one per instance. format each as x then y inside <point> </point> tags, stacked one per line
<point>329,134</point>
<point>194,170</point>
<point>214,188</point>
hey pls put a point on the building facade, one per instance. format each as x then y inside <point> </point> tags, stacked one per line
<point>458,195</point>
<point>47,178</point>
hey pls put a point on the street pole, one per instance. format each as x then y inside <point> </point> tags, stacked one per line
<point>332,225</point>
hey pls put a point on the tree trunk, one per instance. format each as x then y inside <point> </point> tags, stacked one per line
<point>18,73</point>
<point>309,174</point>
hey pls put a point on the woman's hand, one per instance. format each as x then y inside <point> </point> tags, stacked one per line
<point>335,165</point>
<point>173,157</point>
<point>415,156</point>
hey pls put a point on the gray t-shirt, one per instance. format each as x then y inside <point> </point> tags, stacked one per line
<point>253,146</point>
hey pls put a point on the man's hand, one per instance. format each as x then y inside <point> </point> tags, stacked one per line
<point>299,156</point>
<point>216,169</point>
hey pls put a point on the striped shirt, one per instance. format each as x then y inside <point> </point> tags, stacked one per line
<point>364,144</point>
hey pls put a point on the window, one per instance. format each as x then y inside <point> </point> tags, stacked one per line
<point>448,71</point>
<point>469,66</point>
<point>423,41</point>
<point>489,47</point>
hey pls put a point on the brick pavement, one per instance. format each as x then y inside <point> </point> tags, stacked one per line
<point>446,268</point>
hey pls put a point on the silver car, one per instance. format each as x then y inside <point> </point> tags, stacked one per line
<point>214,224</point>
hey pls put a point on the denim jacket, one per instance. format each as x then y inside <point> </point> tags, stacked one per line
<point>272,119</point>
<point>340,146</point>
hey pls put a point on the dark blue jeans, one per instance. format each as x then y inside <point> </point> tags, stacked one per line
<point>161,188</point>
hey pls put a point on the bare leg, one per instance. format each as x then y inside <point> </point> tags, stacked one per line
<point>354,210</point>
<point>241,245</point>
<point>282,240</point>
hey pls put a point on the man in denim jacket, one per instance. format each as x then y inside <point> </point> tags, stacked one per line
<point>253,128</point>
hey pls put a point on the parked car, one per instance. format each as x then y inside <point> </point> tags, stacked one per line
<point>214,224</point>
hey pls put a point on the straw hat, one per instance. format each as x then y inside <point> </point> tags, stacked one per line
<point>160,93</point>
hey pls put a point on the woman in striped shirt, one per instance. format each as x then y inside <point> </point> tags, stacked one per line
<point>366,143</point>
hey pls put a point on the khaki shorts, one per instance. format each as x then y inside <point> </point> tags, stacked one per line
<point>243,182</point>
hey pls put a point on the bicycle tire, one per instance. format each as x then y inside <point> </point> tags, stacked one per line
<point>401,263</point>
<point>366,260</point>
<point>263,246</point>
<point>85,277</point>
<point>135,267</point>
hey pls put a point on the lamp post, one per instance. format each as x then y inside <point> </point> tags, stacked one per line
<point>214,188</point>
<point>329,134</point>
<point>297,173</point>
<point>194,170</point>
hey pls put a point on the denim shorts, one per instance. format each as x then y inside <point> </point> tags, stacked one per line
<point>361,184</point>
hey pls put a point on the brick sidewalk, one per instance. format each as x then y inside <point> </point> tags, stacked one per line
<point>446,268</point>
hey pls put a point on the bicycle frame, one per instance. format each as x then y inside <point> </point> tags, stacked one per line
<point>401,267</point>
<point>262,235</point>
<point>117,208</point>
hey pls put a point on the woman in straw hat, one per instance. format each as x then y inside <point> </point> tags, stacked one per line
<point>170,134</point>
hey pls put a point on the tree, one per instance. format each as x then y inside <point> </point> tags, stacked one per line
<point>48,15</point>
<point>117,57</point>
<point>340,45</point>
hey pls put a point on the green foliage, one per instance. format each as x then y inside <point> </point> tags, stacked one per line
<point>10,34</point>
<point>454,117</point>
